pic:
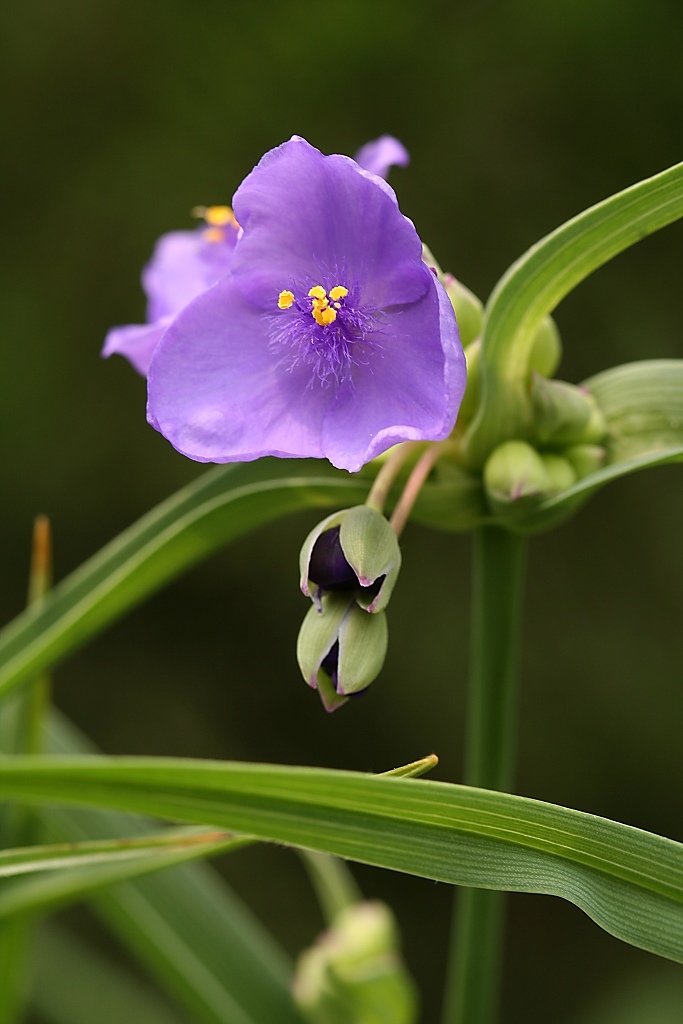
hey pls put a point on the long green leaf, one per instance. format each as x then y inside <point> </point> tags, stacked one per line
<point>539,280</point>
<point>185,925</point>
<point>64,873</point>
<point>211,512</point>
<point>630,882</point>
<point>61,856</point>
<point>56,886</point>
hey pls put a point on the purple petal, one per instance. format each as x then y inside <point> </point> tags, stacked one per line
<point>183,265</point>
<point>380,155</point>
<point>219,395</point>
<point>411,392</point>
<point>135,342</point>
<point>306,215</point>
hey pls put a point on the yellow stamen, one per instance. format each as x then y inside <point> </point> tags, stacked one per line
<point>285,299</point>
<point>339,292</point>
<point>317,292</point>
<point>324,317</point>
<point>321,303</point>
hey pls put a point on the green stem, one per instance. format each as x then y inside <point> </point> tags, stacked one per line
<point>499,557</point>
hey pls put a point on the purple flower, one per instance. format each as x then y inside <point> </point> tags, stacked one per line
<point>184,264</point>
<point>327,338</point>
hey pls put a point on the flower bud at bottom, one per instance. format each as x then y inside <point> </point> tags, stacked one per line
<point>354,973</point>
<point>341,648</point>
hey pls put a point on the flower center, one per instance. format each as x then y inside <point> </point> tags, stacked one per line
<point>324,329</point>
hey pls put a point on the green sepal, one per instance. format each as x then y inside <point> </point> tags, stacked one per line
<point>371,548</point>
<point>362,640</point>
<point>319,632</point>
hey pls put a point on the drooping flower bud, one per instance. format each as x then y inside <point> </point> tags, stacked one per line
<point>564,413</point>
<point>355,551</point>
<point>341,649</point>
<point>354,973</point>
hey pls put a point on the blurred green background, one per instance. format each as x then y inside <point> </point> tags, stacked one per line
<point>118,117</point>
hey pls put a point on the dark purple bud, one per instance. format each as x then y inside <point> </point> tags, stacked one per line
<point>328,567</point>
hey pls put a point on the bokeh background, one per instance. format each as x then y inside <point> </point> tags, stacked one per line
<point>118,116</point>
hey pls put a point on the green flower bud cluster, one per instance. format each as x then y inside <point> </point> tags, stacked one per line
<point>349,564</point>
<point>354,973</point>
<point>568,428</point>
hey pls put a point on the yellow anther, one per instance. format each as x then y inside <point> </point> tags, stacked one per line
<point>213,235</point>
<point>321,303</point>
<point>285,299</point>
<point>219,216</point>
<point>317,292</point>
<point>339,292</point>
<point>324,317</point>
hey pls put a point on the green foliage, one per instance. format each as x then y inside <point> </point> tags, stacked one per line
<point>629,881</point>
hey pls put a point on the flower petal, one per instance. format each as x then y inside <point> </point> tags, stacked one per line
<point>182,266</point>
<point>136,342</point>
<point>218,393</point>
<point>380,155</point>
<point>305,215</point>
<point>409,391</point>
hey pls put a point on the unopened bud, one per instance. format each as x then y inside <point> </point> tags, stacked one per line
<point>353,551</point>
<point>585,458</point>
<point>546,349</point>
<point>469,311</point>
<point>354,973</point>
<point>515,478</point>
<point>561,473</point>
<point>564,413</point>
<point>341,648</point>
<point>470,399</point>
